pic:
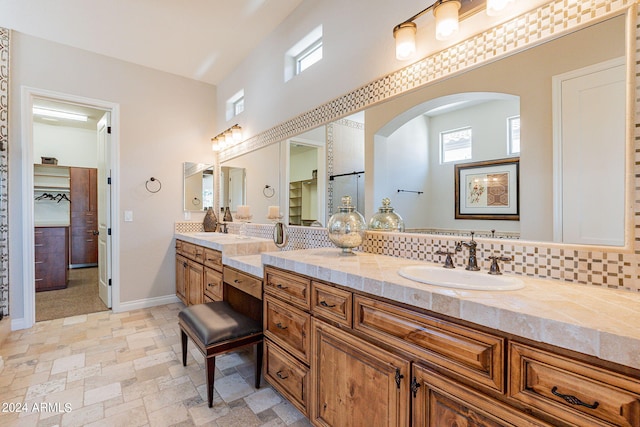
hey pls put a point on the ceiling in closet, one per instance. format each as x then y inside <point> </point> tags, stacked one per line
<point>199,39</point>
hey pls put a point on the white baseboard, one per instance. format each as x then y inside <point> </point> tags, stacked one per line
<point>20,323</point>
<point>146,303</point>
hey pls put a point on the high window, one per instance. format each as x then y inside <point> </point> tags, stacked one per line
<point>304,54</point>
<point>455,145</point>
<point>235,105</point>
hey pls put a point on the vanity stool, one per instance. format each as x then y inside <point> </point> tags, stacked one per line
<point>216,328</point>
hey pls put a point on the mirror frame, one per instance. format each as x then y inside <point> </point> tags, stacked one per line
<point>489,45</point>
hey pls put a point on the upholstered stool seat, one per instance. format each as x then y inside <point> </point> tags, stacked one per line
<point>216,328</point>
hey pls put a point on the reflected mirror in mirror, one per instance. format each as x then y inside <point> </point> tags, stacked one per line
<point>245,179</point>
<point>198,186</point>
<point>567,171</point>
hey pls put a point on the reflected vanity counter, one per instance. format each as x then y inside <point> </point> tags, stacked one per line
<point>590,320</point>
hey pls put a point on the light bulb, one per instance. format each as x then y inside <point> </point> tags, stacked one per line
<point>497,7</point>
<point>405,35</point>
<point>446,14</point>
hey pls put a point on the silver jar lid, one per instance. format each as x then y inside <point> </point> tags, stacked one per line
<point>386,219</point>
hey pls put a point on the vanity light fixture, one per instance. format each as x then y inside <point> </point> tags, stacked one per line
<point>447,18</point>
<point>225,139</point>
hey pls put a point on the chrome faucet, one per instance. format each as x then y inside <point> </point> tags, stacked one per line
<point>472,264</point>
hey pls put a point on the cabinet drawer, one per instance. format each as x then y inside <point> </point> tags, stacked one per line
<point>213,284</point>
<point>287,375</point>
<point>213,258</point>
<point>288,326</point>
<point>573,391</point>
<point>464,353</point>
<point>246,283</point>
<point>193,252</point>
<point>438,400</point>
<point>289,287</point>
<point>332,303</point>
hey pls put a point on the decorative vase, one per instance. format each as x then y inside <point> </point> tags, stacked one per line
<point>386,219</point>
<point>227,215</point>
<point>210,222</point>
<point>346,227</point>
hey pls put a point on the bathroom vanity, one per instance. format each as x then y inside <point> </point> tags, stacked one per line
<point>346,331</point>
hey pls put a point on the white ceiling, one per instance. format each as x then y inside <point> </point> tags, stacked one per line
<point>199,39</point>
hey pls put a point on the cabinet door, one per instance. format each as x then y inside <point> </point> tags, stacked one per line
<point>181,278</point>
<point>195,283</point>
<point>356,383</point>
<point>440,402</point>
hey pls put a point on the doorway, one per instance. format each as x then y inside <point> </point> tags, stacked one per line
<point>70,139</point>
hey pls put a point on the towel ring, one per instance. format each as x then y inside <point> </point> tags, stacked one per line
<point>152,179</point>
<point>268,191</point>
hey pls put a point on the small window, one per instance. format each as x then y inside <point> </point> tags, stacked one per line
<point>455,145</point>
<point>238,106</point>
<point>513,131</point>
<point>235,105</point>
<point>303,54</point>
<point>309,56</point>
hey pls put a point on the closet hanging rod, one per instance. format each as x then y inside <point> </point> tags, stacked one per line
<point>410,191</point>
<point>331,177</point>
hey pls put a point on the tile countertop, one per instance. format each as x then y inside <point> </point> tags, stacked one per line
<point>240,253</point>
<point>588,319</point>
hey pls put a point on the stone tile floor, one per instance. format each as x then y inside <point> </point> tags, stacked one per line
<point>125,369</point>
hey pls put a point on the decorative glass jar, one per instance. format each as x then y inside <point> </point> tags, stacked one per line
<point>386,219</point>
<point>346,227</point>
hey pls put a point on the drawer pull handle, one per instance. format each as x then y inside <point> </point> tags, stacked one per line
<point>324,304</point>
<point>198,255</point>
<point>237,281</point>
<point>279,375</point>
<point>210,285</point>
<point>279,286</point>
<point>39,245</point>
<point>573,400</point>
<point>281,326</point>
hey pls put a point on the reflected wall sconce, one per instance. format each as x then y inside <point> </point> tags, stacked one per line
<point>226,139</point>
<point>446,13</point>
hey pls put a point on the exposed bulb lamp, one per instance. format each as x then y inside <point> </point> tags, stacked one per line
<point>446,14</point>
<point>226,139</point>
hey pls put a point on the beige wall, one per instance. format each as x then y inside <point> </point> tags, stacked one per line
<point>165,120</point>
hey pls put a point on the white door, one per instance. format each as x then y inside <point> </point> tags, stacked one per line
<point>104,209</point>
<point>592,149</point>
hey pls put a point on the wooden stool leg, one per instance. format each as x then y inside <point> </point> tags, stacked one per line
<point>184,348</point>
<point>211,368</point>
<point>258,363</point>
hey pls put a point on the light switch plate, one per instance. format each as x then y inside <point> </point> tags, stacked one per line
<point>128,216</point>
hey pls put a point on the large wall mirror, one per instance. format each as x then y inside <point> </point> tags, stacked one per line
<point>252,179</point>
<point>518,107</point>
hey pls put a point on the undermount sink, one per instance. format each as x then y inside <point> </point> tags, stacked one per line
<point>460,279</point>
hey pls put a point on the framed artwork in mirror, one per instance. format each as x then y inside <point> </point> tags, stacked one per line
<point>488,190</point>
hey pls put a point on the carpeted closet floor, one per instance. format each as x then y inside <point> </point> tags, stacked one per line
<point>80,297</point>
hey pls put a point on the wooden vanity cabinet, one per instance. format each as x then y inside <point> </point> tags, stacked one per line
<point>198,273</point>
<point>287,332</point>
<point>355,383</point>
<point>373,362</point>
